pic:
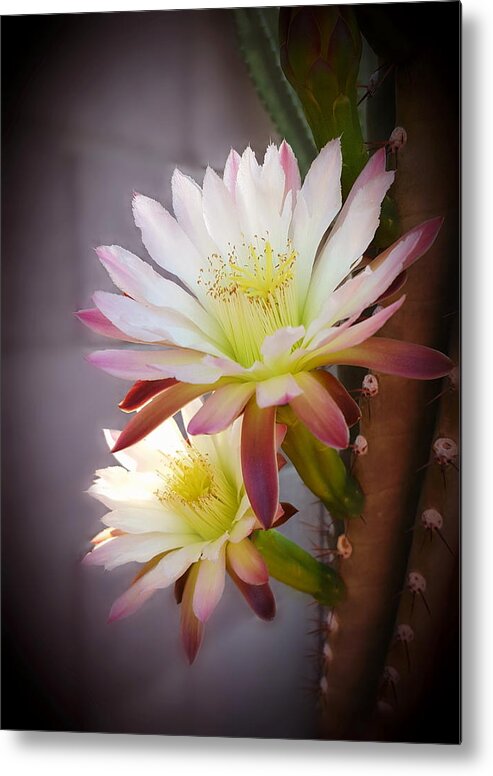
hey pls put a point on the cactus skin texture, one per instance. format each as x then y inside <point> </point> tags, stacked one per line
<point>320,56</point>
<point>400,431</point>
<point>434,618</point>
<point>258,37</point>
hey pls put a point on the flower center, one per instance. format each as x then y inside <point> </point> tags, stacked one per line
<point>252,295</point>
<point>199,492</point>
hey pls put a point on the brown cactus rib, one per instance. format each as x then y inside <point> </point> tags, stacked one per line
<point>400,429</point>
<point>434,554</point>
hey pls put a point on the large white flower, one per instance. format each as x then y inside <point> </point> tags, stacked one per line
<point>179,507</point>
<point>266,301</point>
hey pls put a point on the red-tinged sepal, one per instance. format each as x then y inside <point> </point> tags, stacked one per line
<point>320,412</point>
<point>191,629</point>
<point>260,598</point>
<point>143,391</point>
<point>349,408</point>
<point>286,512</point>
<point>393,357</point>
<point>247,562</point>
<point>259,460</point>
<point>156,411</point>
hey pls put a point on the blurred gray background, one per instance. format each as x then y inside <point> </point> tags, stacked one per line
<point>95,107</point>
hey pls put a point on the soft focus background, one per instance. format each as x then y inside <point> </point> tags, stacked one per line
<point>95,107</point>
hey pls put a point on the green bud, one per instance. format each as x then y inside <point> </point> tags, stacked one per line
<point>320,56</point>
<point>321,468</point>
<point>291,564</point>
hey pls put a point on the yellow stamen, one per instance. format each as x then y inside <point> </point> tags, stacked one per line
<point>253,297</point>
<point>199,492</point>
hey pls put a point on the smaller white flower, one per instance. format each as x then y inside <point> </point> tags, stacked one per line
<point>178,506</point>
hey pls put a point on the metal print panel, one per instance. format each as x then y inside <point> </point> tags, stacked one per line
<point>254,216</point>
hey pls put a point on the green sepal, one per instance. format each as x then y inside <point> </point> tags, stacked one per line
<point>291,564</point>
<point>321,468</point>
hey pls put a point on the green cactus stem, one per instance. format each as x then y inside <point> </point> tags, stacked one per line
<point>257,30</point>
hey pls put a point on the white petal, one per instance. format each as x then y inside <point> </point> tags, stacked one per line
<point>155,364</point>
<point>209,587</point>
<point>358,333</point>
<point>188,209</point>
<point>277,391</point>
<point>167,571</point>
<point>166,242</point>
<point>231,171</point>
<point>115,486</point>
<point>138,458</point>
<point>166,438</point>
<point>276,347</point>
<point>243,528</point>
<point>137,279</point>
<point>352,232</point>
<point>212,550</point>
<point>137,520</point>
<point>152,324</point>
<point>220,213</point>
<point>259,198</point>
<point>197,371</point>
<point>135,547</point>
<point>317,204</point>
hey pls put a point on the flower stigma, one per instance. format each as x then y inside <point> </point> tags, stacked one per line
<point>199,492</point>
<point>252,295</point>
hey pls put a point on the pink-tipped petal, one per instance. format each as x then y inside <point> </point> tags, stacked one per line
<point>129,364</point>
<point>221,409</point>
<point>129,603</point>
<point>97,322</point>
<point>393,357</point>
<point>349,408</point>
<point>162,574</point>
<point>157,411</point>
<point>289,164</point>
<point>427,233</point>
<point>231,171</point>
<point>277,391</point>
<point>247,562</point>
<point>191,629</point>
<point>361,331</point>
<point>259,462</point>
<point>352,232</point>
<point>143,391</point>
<point>396,285</point>
<point>259,597</point>
<point>319,412</point>
<point>209,586</point>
